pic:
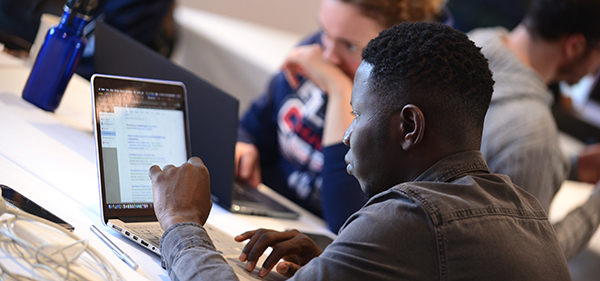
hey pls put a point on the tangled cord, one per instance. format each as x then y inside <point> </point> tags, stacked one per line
<point>48,257</point>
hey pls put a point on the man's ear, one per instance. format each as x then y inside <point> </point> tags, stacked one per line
<point>412,126</point>
<point>574,46</point>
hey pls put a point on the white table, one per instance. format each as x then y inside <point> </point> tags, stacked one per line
<point>50,158</point>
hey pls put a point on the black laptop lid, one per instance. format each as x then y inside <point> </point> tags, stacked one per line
<point>213,114</point>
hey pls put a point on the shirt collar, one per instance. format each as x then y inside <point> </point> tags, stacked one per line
<point>454,166</point>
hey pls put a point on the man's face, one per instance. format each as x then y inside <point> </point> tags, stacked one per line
<point>373,156</point>
<point>345,33</point>
<point>588,62</point>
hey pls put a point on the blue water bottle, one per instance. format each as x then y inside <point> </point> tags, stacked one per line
<point>59,55</point>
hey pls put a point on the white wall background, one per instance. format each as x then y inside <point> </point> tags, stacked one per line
<point>292,15</point>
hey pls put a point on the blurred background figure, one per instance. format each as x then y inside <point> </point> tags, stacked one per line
<point>148,21</point>
<point>470,14</point>
<point>558,40</point>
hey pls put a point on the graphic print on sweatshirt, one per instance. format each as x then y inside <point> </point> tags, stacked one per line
<point>300,129</point>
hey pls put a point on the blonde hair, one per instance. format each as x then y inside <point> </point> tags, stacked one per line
<point>391,12</point>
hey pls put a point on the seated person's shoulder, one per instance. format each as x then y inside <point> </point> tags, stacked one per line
<point>392,219</point>
<point>475,195</point>
<point>390,233</point>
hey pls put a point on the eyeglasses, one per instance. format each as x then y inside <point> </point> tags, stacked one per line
<point>344,47</point>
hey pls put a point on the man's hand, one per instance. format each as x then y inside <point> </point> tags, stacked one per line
<point>589,164</point>
<point>307,61</point>
<point>247,164</point>
<point>295,248</point>
<point>181,194</point>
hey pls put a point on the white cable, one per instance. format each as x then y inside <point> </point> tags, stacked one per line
<point>38,257</point>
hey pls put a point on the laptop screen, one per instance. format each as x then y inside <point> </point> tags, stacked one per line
<point>138,123</point>
<point>213,114</point>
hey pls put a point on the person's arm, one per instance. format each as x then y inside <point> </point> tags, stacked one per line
<point>576,229</point>
<point>389,239</point>
<point>341,195</point>
<point>295,248</point>
<point>182,204</point>
<point>257,134</point>
<point>187,253</point>
<point>339,115</point>
<point>307,61</point>
<point>247,164</point>
<point>259,123</point>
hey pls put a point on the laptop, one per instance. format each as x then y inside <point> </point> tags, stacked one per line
<point>213,118</point>
<point>139,123</point>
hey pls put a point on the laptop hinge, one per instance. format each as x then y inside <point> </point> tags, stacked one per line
<point>138,219</point>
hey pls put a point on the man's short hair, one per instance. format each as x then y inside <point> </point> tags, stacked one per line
<point>552,19</point>
<point>436,68</point>
<point>391,12</point>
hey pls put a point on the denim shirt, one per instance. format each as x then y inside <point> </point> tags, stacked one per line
<point>456,221</point>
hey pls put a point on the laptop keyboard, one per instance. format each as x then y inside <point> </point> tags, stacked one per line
<point>240,194</point>
<point>149,231</point>
<point>224,242</point>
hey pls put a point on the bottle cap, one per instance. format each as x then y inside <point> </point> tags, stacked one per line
<point>83,7</point>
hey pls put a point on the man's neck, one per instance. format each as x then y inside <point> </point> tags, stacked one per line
<point>539,55</point>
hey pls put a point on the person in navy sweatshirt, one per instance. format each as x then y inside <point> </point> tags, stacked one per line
<point>291,137</point>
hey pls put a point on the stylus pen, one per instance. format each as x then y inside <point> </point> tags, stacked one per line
<point>124,257</point>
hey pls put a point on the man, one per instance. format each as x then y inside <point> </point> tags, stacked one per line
<point>557,41</point>
<point>434,213</point>
<point>291,138</point>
